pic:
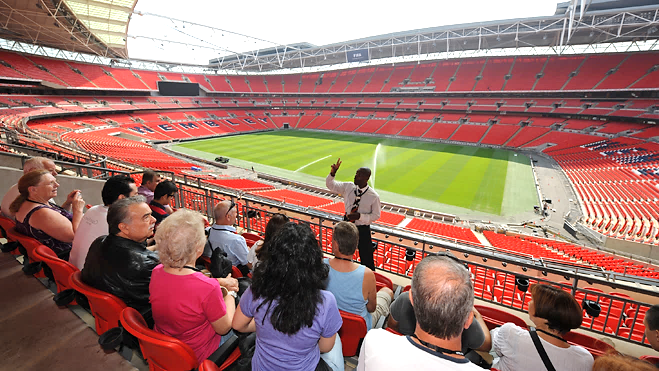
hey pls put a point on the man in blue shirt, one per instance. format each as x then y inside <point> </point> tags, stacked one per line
<point>223,235</point>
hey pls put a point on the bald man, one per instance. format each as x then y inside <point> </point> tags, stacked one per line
<point>34,163</point>
<point>223,235</point>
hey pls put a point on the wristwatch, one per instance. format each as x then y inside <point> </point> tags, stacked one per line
<point>233,293</point>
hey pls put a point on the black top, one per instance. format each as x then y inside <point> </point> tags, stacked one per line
<point>121,267</point>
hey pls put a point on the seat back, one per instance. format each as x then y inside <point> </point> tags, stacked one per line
<point>595,346</point>
<point>162,352</point>
<point>251,238</point>
<point>383,281</point>
<point>652,359</point>
<point>208,365</point>
<point>7,231</point>
<point>106,308</point>
<point>61,269</point>
<point>494,317</point>
<point>352,332</point>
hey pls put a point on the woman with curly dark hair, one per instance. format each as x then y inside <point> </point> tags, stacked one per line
<point>294,318</point>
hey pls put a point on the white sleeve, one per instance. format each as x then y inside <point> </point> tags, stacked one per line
<point>504,339</point>
<point>334,186</point>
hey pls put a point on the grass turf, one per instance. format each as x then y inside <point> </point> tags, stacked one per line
<point>465,176</point>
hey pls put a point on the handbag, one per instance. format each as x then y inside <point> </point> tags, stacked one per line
<point>541,349</point>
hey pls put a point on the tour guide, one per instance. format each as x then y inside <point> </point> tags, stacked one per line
<point>362,207</point>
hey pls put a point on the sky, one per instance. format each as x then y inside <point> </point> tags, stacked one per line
<point>244,26</point>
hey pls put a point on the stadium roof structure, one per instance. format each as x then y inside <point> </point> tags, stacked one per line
<point>578,22</point>
<point>87,26</point>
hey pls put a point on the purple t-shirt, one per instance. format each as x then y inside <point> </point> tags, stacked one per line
<point>278,351</point>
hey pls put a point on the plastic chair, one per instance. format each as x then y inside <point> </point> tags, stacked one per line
<point>494,317</point>
<point>352,333</point>
<point>106,308</point>
<point>251,238</point>
<point>382,281</point>
<point>595,346</point>
<point>7,231</point>
<point>652,359</point>
<point>30,244</point>
<point>61,269</point>
<point>162,352</point>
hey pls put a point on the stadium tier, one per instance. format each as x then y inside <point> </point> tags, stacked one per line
<point>552,73</point>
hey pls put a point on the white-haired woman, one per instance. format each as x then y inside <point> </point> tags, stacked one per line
<point>186,304</point>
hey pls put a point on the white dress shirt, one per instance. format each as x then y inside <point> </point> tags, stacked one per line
<point>369,205</point>
<point>93,224</point>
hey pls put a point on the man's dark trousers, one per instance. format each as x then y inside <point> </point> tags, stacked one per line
<point>366,246</point>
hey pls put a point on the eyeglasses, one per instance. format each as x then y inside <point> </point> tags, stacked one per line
<point>230,207</point>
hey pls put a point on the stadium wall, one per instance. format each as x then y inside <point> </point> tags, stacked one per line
<point>631,247</point>
<point>91,188</point>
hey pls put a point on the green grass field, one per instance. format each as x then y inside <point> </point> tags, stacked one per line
<point>487,180</point>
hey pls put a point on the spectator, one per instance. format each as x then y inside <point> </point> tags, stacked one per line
<point>41,219</point>
<point>294,318</point>
<point>120,263</point>
<point>619,362</point>
<point>443,299</point>
<point>201,311</point>
<point>352,284</point>
<point>476,337</point>
<point>223,235</point>
<point>362,207</point>
<point>554,313</point>
<point>34,163</point>
<point>651,323</point>
<point>259,247</point>
<point>94,223</point>
<point>150,180</point>
<point>162,197</point>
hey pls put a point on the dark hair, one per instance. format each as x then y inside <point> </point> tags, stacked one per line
<point>292,274</point>
<point>148,176</point>
<point>118,212</point>
<point>442,296</point>
<point>164,188</point>
<point>652,316</point>
<point>561,310</point>
<point>31,179</point>
<point>115,186</point>
<point>347,237</point>
<point>274,225</point>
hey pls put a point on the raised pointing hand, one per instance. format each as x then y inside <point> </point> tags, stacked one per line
<point>335,167</point>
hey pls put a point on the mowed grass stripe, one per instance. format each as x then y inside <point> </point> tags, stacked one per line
<point>464,176</point>
<point>494,177</point>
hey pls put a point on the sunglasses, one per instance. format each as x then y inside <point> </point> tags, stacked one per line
<point>233,204</point>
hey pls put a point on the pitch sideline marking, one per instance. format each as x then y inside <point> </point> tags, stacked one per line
<point>312,162</point>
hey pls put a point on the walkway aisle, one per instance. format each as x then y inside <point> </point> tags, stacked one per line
<point>37,335</point>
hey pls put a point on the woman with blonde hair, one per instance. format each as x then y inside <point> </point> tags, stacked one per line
<point>185,303</point>
<point>619,362</point>
<point>41,219</point>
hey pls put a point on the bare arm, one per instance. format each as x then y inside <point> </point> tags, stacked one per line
<point>326,344</point>
<point>223,325</point>
<point>369,290</point>
<point>243,323</point>
<point>487,343</point>
<point>53,224</point>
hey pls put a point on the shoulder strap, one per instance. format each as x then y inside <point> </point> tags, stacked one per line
<point>541,349</point>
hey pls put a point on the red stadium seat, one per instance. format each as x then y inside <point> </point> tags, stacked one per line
<point>383,281</point>
<point>494,317</point>
<point>160,351</point>
<point>61,269</point>
<point>652,359</point>
<point>106,308</point>
<point>352,332</point>
<point>594,346</point>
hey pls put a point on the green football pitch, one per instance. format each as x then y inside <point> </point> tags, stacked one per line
<point>485,180</point>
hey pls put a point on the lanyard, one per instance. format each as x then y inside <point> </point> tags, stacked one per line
<point>438,349</point>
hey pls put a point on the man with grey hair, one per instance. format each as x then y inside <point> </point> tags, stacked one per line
<point>34,163</point>
<point>120,263</point>
<point>443,299</point>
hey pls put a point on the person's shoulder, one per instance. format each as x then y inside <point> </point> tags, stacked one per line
<point>582,352</point>
<point>511,329</point>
